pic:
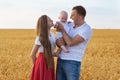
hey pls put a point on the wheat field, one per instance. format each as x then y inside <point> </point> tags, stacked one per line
<point>100,62</point>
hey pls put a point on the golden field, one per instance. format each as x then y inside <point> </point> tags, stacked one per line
<point>100,62</point>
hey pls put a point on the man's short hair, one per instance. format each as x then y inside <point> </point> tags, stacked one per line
<point>80,10</point>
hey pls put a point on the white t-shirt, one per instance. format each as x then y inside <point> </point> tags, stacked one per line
<point>66,27</point>
<point>77,51</point>
<point>52,41</point>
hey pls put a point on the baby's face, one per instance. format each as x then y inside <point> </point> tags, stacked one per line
<point>63,18</point>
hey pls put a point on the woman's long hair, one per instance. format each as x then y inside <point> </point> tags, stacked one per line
<point>42,32</point>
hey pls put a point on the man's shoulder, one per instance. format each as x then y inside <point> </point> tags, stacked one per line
<point>87,26</point>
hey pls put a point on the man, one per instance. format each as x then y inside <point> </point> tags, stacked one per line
<point>68,65</point>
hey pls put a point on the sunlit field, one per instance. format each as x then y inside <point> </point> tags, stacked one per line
<point>100,62</point>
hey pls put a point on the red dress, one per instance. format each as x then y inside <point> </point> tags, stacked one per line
<point>40,70</point>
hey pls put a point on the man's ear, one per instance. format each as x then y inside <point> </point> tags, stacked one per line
<point>81,17</point>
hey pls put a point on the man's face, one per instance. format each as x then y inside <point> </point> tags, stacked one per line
<point>74,16</point>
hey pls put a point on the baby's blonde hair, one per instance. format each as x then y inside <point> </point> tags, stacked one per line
<point>63,13</point>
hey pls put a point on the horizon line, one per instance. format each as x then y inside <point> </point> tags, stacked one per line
<point>53,28</point>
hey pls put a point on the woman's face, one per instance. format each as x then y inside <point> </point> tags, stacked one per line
<point>50,23</point>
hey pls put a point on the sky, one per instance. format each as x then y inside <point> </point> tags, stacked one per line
<point>23,14</point>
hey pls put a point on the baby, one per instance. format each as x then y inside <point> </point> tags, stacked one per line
<point>63,20</point>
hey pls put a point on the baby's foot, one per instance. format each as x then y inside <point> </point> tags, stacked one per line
<point>64,49</point>
<point>56,54</point>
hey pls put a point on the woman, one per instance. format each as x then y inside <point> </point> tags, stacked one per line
<point>44,44</point>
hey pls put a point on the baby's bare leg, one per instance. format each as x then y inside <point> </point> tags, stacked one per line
<point>63,47</point>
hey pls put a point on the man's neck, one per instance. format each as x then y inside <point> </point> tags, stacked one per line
<point>79,23</point>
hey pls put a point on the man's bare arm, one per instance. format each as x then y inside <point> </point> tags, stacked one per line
<point>69,41</point>
<point>72,41</point>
